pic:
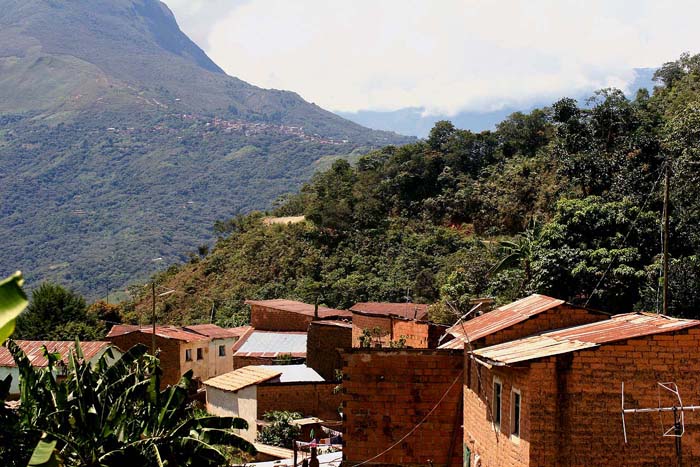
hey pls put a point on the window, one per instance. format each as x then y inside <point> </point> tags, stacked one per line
<point>200,354</point>
<point>188,355</point>
<point>515,413</point>
<point>222,351</point>
<point>497,388</point>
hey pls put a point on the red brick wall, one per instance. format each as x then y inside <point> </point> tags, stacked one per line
<point>310,399</point>
<point>418,334</point>
<point>270,319</point>
<point>322,344</point>
<point>387,392</point>
<point>571,406</point>
<point>362,322</point>
<point>169,353</point>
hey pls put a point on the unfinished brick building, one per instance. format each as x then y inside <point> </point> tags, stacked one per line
<point>323,341</point>
<point>387,392</point>
<point>555,398</point>
<point>392,322</point>
<point>289,315</point>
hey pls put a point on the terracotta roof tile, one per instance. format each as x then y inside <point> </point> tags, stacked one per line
<point>35,352</point>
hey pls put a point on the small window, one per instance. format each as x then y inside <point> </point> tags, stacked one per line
<point>497,389</point>
<point>200,354</point>
<point>222,351</point>
<point>188,355</point>
<point>515,414</point>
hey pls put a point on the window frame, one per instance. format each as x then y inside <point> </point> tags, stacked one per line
<point>188,355</point>
<point>200,353</point>
<point>222,350</point>
<point>515,393</point>
<point>497,412</point>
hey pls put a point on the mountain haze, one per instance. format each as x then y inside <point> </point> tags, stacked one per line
<point>122,141</point>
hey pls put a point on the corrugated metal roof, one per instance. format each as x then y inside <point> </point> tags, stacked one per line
<point>211,330</point>
<point>273,451</point>
<point>294,373</point>
<point>271,344</point>
<point>454,344</point>
<point>404,310</point>
<point>166,332</point>
<point>503,317</point>
<point>239,331</point>
<point>560,341</point>
<point>242,378</point>
<point>329,322</point>
<point>299,307</point>
<point>35,352</point>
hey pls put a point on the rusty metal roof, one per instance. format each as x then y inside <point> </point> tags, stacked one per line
<point>35,352</point>
<point>166,332</point>
<point>242,378</point>
<point>404,310</point>
<point>239,331</point>
<point>560,341</point>
<point>270,344</point>
<point>504,317</point>
<point>299,307</point>
<point>331,322</point>
<point>212,331</point>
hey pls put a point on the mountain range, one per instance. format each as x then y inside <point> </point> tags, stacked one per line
<point>121,142</point>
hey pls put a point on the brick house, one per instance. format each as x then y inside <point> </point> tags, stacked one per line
<point>254,390</point>
<point>521,318</point>
<point>268,347</point>
<point>289,315</point>
<point>387,392</point>
<point>179,350</point>
<point>323,341</point>
<point>555,398</point>
<point>391,322</point>
<point>34,350</point>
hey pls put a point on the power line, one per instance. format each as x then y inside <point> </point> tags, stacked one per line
<point>624,240</point>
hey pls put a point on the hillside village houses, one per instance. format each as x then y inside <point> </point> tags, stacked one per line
<point>536,382</point>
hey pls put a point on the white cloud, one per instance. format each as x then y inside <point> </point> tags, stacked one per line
<point>446,56</point>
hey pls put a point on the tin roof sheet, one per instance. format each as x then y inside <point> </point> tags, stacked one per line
<point>331,322</point>
<point>299,307</point>
<point>211,330</point>
<point>242,378</point>
<point>454,344</point>
<point>404,310</point>
<point>503,317</point>
<point>560,341</point>
<point>35,352</point>
<point>294,373</point>
<point>270,344</point>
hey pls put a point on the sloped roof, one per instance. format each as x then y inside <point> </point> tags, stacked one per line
<point>257,374</point>
<point>302,308</point>
<point>239,331</point>
<point>242,378</point>
<point>35,352</point>
<point>166,332</point>
<point>331,322</point>
<point>270,344</point>
<point>211,330</point>
<point>454,344</point>
<point>404,310</point>
<point>560,341</point>
<point>504,317</point>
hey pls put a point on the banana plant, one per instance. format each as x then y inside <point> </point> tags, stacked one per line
<point>12,302</point>
<point>116,414</point>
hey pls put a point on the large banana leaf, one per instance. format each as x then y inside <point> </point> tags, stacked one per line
<point>12,302</point>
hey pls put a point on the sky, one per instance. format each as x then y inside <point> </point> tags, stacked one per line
<point>446,56</point>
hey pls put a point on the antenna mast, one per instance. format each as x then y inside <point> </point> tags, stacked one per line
<point>666,225</point>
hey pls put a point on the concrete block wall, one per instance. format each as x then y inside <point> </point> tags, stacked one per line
<point>387,392</point>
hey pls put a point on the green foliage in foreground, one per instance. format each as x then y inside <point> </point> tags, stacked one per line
<point>12,302</point>
<point>279,430</point>
<point>109,414</point>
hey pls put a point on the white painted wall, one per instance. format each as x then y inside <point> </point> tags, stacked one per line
<point>243,404</point>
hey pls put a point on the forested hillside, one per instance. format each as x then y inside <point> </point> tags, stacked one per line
<point>565,200</point>
<point>121,141</point>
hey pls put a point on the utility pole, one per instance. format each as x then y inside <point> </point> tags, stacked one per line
<point>153,318</point>
<point>666,226</point>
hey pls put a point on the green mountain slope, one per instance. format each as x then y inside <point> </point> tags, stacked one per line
<point>121,141</point>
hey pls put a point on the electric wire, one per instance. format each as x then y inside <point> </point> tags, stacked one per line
<point>624,240</point>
